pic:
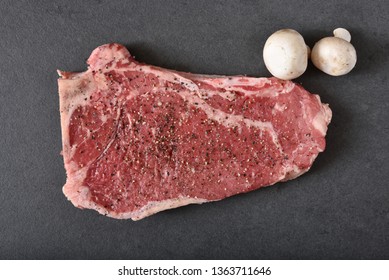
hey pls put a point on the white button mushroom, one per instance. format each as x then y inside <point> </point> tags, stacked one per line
<point>285,54</point>
<point>335,55</point>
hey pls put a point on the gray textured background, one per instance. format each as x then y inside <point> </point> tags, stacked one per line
<point>338,210</point>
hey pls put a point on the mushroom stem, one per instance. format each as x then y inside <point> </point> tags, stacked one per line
<point>342,34</point>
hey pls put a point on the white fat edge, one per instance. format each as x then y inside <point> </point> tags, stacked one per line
<point>206,94</point>
<point>237,81</point>
<point>222,81</point>
<point>72,97</point>
<point>233,83</point>
<point>153,207</point>
<point>189,84</point>
<point>323,117</point>
<point>78,194</point>
<point>228,83</point>
<point>274,91</point>
<point>320,123</point>
<point>263,92</point>
<point>201,76</point>
<point>170,76</point>
<point>187,75</point>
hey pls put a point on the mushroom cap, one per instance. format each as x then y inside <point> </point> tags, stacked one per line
<point>285,54</point>
<point>334,56</point>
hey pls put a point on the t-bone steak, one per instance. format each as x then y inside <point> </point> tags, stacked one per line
<point>139,139</point>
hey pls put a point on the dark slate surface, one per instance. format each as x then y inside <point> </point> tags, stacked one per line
<point>340,209</point>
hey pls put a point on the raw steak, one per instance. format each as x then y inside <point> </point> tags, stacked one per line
<point>139,139</point>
